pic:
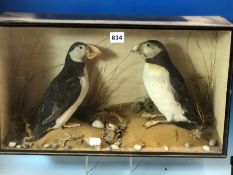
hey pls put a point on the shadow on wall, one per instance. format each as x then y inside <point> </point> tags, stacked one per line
<point>27,66</point>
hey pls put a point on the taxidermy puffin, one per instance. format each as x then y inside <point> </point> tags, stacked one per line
<point>66,91</point>
<point>165,85</point>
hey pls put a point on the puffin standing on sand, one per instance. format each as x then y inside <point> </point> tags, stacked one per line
<point>66,91</point>
<point>165,85</point>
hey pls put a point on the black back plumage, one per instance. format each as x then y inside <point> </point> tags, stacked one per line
<point>177,82</point>
<point>62,92</point>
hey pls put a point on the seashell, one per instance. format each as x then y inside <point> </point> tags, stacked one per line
<point>18,147</point>
<point>97,124</point>
<point>212,142</point>
<point>137,147</point>
<point>12,144</point>
<point>206,148</point>
<point>46,145</point>
<point>165,148</point>
<point>115,146</point>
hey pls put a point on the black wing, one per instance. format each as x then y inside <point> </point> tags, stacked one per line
<point>182,95</point>
<point>59,96</point>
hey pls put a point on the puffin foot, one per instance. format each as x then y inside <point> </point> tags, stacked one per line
<point>151,116</point>
<point>154,122</point>
<point>71,125</point>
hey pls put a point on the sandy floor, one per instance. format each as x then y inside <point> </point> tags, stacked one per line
<point>154,138</point>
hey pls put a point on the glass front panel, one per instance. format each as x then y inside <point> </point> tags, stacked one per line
<point>114,90</point>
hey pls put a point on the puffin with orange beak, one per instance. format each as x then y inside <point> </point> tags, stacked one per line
<point>66,91</point>
<point>165,85</point>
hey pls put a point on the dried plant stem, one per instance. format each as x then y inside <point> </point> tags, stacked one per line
<point>203,105</point>
<point>101,89</point>
<point>194,70</point>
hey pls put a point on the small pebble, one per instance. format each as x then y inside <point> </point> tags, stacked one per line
<point>12,144</point>
<point>165,148</point>
<point>115,146</point>
<point>137,147</point>
<point>97,124</point>
<point>55,146</point>
<point>46,145</point>
<point>187,145</point>
<point>18,146</point>
<point>206,148</point>
<point>212,142</point>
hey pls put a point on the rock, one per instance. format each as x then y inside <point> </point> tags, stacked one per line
<point>212,142</point>
<point>137,147</point>
<point>206,148</point>
<point>55,146</point>
<point>46,145</point>
<point>115,147</point>
<point>187,145</point>
<point>97,124</point>
<point>165,148</point>
<point>12,144</point>
<point>18,147</point>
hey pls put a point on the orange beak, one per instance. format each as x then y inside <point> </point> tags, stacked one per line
<point>136,49</point>
<point>93,51</point>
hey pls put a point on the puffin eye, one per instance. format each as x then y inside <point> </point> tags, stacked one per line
<point>80,47</point>
<point>148,45</point>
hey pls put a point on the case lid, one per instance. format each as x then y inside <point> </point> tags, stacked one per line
<point>28,19</point>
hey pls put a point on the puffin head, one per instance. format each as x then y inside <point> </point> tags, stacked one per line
<point>79,52</point>
<point>149,49</point>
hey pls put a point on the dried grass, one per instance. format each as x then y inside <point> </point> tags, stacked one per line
<point>203,103</point>
<point>101,88</point>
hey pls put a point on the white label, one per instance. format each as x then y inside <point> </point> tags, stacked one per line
<point>94,141</point>
<point>117,37</point>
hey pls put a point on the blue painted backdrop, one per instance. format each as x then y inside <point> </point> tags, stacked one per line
<point>37,165</point>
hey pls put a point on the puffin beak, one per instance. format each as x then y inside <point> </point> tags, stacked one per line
<point>93,51</point>
<point>136,49</point>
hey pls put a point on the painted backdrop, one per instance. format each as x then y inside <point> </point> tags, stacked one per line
<point>37,165</point>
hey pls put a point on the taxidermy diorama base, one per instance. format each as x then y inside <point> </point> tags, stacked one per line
<point>122,128</point>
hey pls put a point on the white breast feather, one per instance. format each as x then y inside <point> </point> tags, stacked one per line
<point>157,83</point>
<point>63,119</point>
